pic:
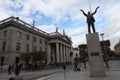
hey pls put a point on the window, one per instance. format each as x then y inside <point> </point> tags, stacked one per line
<point>5,33</point>
<point>34,39</point>
<point>2,60</point>
<point>45,42</point>
<point>18,46</point>
<point>34,48</point>
<point>40,40</point>
<point>40,48</point>
<point>27,36</point>
<point>4,46</point>
<point>18,35</point>
<point>27,47</point>
<point>45,49</point>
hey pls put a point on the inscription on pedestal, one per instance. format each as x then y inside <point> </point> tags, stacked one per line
<point>95,56</point>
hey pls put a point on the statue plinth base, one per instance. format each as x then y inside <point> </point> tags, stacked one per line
<point>97,68</point>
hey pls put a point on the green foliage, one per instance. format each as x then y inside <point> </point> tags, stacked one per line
<point>112,54</point>
<point>83,51</point>
<point>82,47</point>
<point>105,44</point>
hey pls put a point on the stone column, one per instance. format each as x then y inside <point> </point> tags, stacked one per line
<point>65,54</point>
<point>52,54</point>
<point>69,54</point>
<point>48,55</point>
<point>57,52</point>
<point>61,52</point>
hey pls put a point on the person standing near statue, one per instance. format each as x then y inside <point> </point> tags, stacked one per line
<point>90,19</point>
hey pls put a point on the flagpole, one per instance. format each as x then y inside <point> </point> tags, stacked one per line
<point>90,6</point>
<point>13,8</point>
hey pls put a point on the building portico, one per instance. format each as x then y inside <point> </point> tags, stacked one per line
<point>59,49</point>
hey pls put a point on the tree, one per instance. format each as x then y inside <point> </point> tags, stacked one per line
<point>39,56</point>
<point>83,53</point>
<point>83,50</point>
<point>105,46</point>
<point>112,54</point>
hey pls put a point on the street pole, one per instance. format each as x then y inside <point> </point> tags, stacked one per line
<point>65,74</point>
<point>31,63</point>
<point>64,68</point>
<point>104,48</point>
<point>33,35</point>
<point>32,43</point>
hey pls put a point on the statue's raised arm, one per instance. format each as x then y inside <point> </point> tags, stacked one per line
<point>83,12</point>
<point>95,10</point>
<point>90,19</point>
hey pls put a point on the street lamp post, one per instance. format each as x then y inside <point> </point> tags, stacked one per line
<point>104,48</point>
<point>32,45</point>
<point>32,63</point>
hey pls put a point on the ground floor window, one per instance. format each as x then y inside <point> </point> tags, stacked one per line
<point>17,60</point>
<point>2,60</point>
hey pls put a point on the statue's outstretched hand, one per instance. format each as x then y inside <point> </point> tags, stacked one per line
<point>81,10</point>
<point>97,7</point>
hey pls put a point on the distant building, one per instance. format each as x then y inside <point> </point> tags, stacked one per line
<point>117,48</point>
<point>75,52</point>
<point>17,36</point>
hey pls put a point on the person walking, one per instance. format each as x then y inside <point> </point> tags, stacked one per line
<point>9,69</point>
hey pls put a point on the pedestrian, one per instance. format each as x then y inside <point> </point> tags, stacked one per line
<point>9,69</point>
<point>17,72</point>
<point>75,65</point>
<point>17,69</point>
<point>12,68</point>
<point>76,68</point>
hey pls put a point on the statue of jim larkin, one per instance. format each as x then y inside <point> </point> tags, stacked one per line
<point>90,19</point>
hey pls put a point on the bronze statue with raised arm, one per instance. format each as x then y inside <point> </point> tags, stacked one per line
<point>90,19</point>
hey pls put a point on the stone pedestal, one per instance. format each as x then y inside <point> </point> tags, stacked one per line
<point>95,55</point>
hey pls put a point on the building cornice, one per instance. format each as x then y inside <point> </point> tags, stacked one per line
<point>14,22</point>
<point>17,23</point>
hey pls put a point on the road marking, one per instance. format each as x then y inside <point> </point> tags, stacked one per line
<point>50,76</point>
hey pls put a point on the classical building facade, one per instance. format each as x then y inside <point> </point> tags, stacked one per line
<point>117,48</point>
<point>16,36</point>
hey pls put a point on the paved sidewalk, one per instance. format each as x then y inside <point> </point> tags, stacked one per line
<point>56,73</point>
<point>27,75</point>
<point>82,75</point>
<point>30,75</point>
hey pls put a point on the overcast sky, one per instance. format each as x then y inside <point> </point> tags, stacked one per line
<point>67,16</point>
